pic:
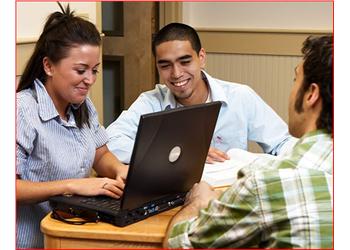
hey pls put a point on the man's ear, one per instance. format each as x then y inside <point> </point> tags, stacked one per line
<point>47,66</point>
<point>312,95</point>
<point>202,58</point>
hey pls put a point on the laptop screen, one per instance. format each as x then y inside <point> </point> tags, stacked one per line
<point>169,153</point>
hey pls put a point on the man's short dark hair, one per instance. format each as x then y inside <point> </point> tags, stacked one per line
<point>318,68</point>
<point>177,31</point>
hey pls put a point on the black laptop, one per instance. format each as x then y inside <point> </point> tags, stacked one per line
<point>168,158</point>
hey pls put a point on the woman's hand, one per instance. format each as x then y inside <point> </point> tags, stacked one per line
<point>96,186</point>
<point>28,192</point>
<point>107,165</point>
<point>122,172</point>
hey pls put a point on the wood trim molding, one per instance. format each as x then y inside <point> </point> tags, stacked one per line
<point>23,53</point>
<point>96,92</point>
<point>260,30</point>
<point>170,12</point>
<point>26,40</point>
<point>258,42</point>
<point>99,16</point>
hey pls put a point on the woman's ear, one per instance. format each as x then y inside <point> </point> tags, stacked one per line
<point>47,66</point>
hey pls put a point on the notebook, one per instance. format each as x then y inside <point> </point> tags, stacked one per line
<point>168,157</point>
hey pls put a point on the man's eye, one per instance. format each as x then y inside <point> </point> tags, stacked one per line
<point>164,66</point>
<point>80,71</point>
<point>95,71</point>
<point>185,62</point>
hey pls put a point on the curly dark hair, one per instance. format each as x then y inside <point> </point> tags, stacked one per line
<point>318,68</point>
<point>62,32</point>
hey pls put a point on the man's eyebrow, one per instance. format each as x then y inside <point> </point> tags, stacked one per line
<point>185,57</point>
<point>163,61</point>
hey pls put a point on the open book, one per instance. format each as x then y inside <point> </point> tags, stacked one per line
<point>224,173</point>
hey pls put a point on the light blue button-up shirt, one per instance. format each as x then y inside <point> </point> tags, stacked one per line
<point>243,116</point>
<point>48,149</point>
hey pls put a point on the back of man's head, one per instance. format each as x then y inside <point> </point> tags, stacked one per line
<point>177,31</point>
<point>318,68</point>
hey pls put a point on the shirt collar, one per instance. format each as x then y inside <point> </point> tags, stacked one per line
<point>216,92</point>
<point>320,134</point>
<point>47,109</point>
<point>169,100</point>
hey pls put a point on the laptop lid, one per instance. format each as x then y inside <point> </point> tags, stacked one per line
<point>168,157</point>
<point>169,153</point>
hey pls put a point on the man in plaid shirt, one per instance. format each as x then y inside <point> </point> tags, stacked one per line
<point>281,203</point>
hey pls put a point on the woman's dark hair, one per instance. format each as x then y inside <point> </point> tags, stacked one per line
<point>177,31</point>
<point>318,68</point>
<point>62,31</point>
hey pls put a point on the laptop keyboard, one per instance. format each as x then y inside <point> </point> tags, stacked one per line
<point>103,202</point>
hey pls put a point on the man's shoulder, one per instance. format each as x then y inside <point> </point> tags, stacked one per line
<point>281,171</point>
<point>314,162</point>
<point>160,90</point>
<point>158,98</point>
<point>230,86</point>
<point>232,92</point>
<point>152,100</point>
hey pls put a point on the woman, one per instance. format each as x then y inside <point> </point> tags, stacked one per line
<point>59,139</point>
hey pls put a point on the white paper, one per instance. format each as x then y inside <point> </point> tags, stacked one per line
<point>224,173</point>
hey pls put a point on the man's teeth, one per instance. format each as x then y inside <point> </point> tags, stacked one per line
<point>179,84</point>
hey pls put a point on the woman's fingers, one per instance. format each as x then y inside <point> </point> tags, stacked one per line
<point>113,188</point>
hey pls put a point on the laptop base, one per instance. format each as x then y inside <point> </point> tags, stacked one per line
<point>121,218</point>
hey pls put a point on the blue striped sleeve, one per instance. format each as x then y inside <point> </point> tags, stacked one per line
<point>26,133</point>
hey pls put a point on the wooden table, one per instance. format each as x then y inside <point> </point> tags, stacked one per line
<point>148,233</point>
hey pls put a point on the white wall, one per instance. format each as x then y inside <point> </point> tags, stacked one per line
<point>31,16</point>
<point>254,15</point>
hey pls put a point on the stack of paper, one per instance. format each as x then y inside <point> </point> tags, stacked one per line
<point>224,173</point>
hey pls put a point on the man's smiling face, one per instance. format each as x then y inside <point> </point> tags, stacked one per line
<point>180,67</point>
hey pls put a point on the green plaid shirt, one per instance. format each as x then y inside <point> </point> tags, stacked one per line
<point>283,203</point>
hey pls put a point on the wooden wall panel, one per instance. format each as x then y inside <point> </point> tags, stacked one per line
<point>270,76</point>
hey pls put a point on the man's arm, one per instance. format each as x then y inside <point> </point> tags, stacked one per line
<point>198,198</point>
<point>265,126</point>
<point>188,212</point>
<point>231,221</point>
<point>121,135</point>
<point>122,132</point>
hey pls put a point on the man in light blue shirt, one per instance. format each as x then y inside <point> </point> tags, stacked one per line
<point>180,61</point>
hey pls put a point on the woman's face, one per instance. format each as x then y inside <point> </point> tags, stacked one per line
<point>69,80</point>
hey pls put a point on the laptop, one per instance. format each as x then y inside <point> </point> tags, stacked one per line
<point>168,157</point>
